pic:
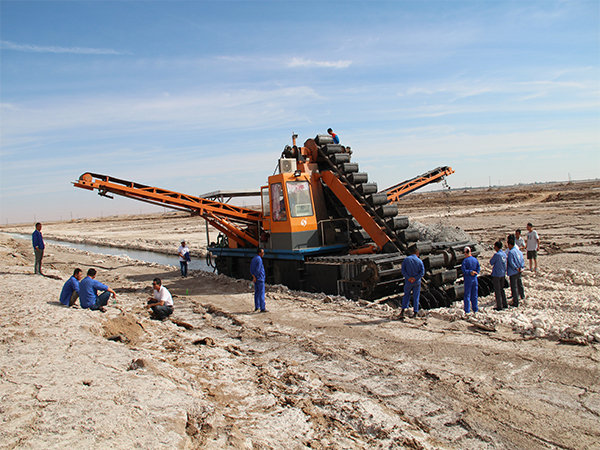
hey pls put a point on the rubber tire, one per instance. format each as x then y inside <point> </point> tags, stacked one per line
<point>376,199</point>
<point>358,178</point>
<point>387,211</point>
<point>367,188</point>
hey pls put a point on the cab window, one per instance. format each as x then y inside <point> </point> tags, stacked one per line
<point>299,197</point>
<point>278,203</point>
<point>266,206</point>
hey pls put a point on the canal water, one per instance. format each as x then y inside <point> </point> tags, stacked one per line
<point>142,255</point>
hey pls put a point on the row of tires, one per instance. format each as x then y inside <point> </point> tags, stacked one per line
<point>366,193</point>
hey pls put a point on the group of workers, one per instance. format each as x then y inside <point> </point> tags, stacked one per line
<point>510,263</point>
<point>93,294</point>
<point>87,291</point>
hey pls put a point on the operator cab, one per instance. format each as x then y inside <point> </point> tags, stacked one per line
<point>288,209</point>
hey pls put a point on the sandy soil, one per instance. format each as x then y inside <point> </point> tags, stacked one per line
<point>315,371</point>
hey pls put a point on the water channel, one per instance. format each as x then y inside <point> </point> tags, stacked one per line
<point>142,255</point>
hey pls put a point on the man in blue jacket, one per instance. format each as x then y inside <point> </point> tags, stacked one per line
<point>38,248</point>
<point>257,270</point>
<point>498,263</point>
<point>70,290</point>
<point>470,269</point>
<point>88,292</point>
<point>515,263</point>
<point>413,270</point>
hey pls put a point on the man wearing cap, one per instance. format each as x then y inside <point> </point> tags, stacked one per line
<point>184,256</point>
<point>470,269</point>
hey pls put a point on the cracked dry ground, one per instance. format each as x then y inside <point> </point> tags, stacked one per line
<point>311,373</point>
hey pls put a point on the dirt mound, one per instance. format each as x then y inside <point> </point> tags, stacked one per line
<point>124,328</point>
<point>439,232</point>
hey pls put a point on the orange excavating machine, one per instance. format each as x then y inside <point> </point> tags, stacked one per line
<point>323,225</point>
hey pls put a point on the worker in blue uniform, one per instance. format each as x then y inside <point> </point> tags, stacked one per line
<point>257,270</point>
<point>70,290</point>
<point>38,248</point>
<point>413,270</point>
<point>498,263</point>
<point>470,269</point>
<point>88,292</point>
<point>515,263</point>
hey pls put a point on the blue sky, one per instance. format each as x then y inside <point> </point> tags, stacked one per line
<point>198,96</point>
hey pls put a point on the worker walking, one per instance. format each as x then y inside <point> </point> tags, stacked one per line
<point>470,269</point>
<point>498,263</point>
<point>38,248</point>
<point>413,270</point>
<point>257,270</point>
<point>336,139</point>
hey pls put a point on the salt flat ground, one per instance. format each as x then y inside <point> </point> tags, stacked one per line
<point>315,371</point>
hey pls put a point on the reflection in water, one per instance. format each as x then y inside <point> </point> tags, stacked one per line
<point>153,257</point>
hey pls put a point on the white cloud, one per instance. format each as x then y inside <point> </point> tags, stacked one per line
<point>449,92</point>
<point>301,62</point>
<point>7,45</point>
<point>246,108</point>
<point>456,145</point>
<point>553,84</point>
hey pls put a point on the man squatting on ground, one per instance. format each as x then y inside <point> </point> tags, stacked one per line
<point>38,248</point>
<point>70,290</point>
<point>413,270</point>
<point>257,270</point>
<point>498,263</point>
<point>162,302</point>
<point>533,245</point>
<point>514,266</point>
<point>184,257</point>
<point>470,269</point>
<point>88,292</point>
